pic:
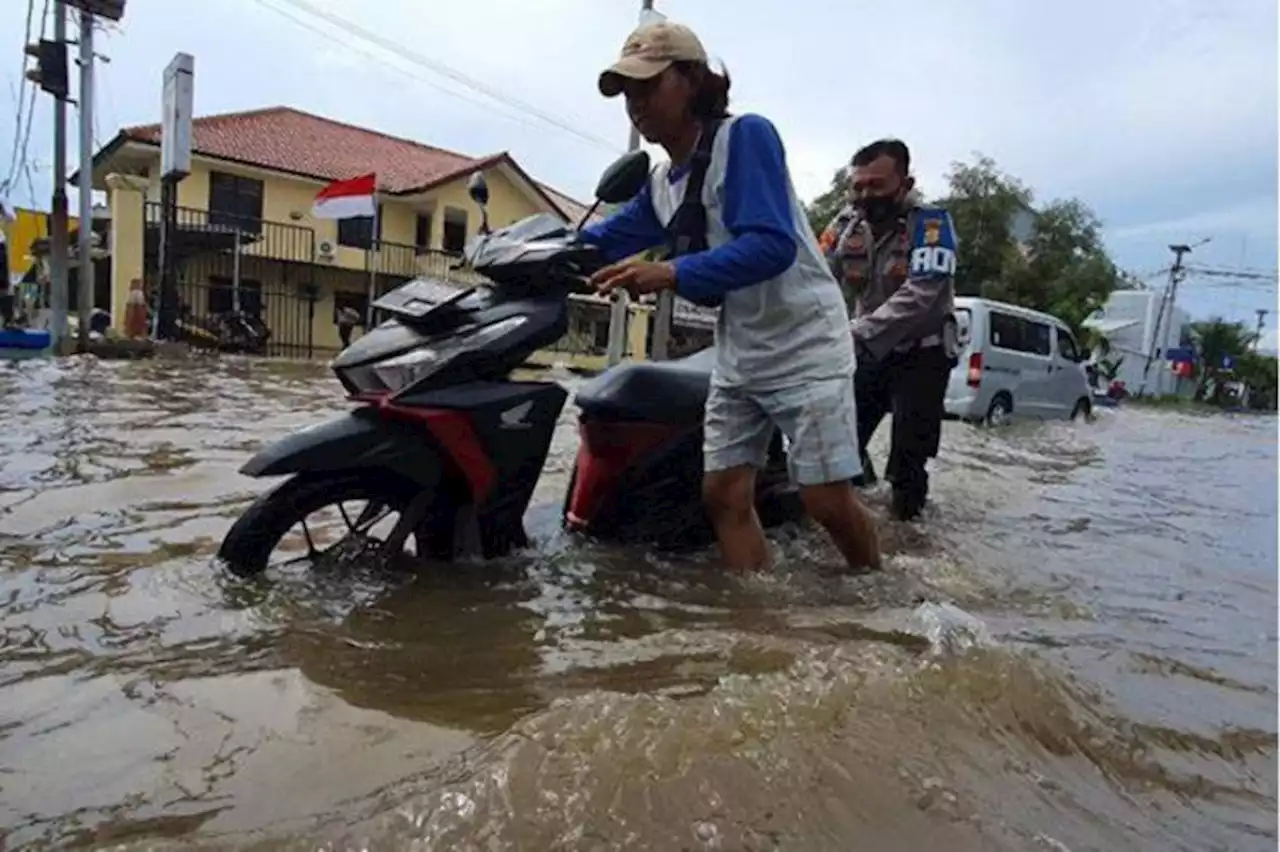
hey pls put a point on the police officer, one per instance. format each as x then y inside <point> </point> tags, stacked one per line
<point>896,260</point>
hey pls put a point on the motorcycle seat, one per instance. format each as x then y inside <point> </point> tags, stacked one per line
<point>650,391</point>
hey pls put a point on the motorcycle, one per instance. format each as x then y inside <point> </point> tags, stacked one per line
<point>444,438</point>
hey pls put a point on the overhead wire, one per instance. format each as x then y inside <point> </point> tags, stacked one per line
<point>382,60</point>
<point>23,82</point>
<point>18,164</point>
<point>350,28</point>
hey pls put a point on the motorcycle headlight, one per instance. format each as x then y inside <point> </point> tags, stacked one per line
<point>404,370</point>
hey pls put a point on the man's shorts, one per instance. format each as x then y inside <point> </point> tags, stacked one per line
<point>819,420</point>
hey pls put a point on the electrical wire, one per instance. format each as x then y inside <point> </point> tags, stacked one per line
<point>22,86</point>
<point>382,60</point>
<point>350,28</point>
<point>21,157</point>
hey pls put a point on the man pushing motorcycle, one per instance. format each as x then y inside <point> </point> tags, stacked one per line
<point>738,237</point>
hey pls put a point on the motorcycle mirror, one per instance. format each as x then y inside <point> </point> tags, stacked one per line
<point>624,178</point>
<point>478,189</point>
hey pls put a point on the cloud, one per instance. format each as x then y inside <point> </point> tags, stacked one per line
<point>1254,218</point>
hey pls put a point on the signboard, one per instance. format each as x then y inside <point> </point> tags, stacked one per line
<point>175,117</point>
<point>1181,355</point>
<point>1228,363</point>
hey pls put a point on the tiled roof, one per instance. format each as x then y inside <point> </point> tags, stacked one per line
<point>289,140</point>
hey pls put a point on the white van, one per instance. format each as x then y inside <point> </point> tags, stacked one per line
<point>1015,362</point>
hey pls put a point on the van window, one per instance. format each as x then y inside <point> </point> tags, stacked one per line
<point>1039,338</point>
<point>1067,346</point>
<point>1020,335</point>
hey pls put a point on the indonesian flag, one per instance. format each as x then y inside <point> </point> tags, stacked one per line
<point>347,199</point>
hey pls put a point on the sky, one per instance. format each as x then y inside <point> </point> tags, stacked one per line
<point>1160,114</point>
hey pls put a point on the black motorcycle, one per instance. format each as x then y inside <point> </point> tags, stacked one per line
<point>444,439</point>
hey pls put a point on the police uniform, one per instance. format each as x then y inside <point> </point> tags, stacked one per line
<point>900,291</point>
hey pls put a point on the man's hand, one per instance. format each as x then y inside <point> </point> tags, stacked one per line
<point>637,277</point>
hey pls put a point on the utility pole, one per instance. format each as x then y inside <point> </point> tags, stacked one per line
<point>618,309</point>
<point>1262,323</point>
<point>85,251</point>
<point>1170,298</point>
<point>58,212</point>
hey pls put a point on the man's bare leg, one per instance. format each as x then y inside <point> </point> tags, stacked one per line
<point>730,500</point>
<point>837,507</point>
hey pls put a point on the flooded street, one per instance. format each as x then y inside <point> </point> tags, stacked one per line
<point>1075,650</point>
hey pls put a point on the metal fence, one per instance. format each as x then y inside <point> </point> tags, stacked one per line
<point>243,285</point>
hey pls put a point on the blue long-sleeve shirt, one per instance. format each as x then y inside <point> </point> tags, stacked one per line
<point>757,211</point>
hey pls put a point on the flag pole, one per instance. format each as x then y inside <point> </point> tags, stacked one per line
<point>373,264</point>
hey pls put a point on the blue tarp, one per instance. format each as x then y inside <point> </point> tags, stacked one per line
<point>25,338</point>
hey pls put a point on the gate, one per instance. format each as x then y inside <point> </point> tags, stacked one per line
<point>243,285</point>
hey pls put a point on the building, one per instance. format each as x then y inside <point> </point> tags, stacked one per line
<point>246,240</point>
<point>25,259</point>
<point>1132,324</point>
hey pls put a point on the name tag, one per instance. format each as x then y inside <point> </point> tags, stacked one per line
<point>932,260</point>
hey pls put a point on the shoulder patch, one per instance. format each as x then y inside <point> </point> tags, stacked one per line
<point>933,244</point>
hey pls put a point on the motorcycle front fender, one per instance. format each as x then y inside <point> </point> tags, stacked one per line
<point>360,440</point>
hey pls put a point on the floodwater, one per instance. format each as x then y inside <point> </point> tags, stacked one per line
<point>1075,650</point>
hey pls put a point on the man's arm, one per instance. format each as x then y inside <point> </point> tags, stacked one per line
<point>758,213</point>
<point>631,230</point>
<point>931,269</point>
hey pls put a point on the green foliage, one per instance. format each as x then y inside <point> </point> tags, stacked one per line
<point>1062,268</point>
<point>1109,368</point>
<point>824,208</point>
<point>1214,340</point>
<point>1258,372</point>
<point>983,202</point>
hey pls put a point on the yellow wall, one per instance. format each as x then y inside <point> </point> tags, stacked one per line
<point>27,227</point>
<point>284,197</point>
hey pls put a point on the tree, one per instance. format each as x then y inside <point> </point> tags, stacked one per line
<point>1258,372</point>
<point>824,208</point>
<point>1061,267</point>
<point>984,202</point>
<point>1215,341</point>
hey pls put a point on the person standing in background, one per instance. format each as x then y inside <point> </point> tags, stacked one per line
<point>896,260</point>
<point>348,318</point>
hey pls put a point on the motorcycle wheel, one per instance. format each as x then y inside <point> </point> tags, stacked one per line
<point>246,550</point>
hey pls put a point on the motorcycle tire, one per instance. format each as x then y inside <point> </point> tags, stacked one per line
<point>247,547</point>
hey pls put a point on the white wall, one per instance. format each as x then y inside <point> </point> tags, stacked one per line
<point>1137,341</point>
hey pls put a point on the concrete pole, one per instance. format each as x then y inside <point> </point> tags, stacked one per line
<point>58,213</point>
<point>85,249</point>
<point>1168,300</point>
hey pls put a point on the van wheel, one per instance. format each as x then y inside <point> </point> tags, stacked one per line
<point>1000,412</point>
<point>1083,410</point>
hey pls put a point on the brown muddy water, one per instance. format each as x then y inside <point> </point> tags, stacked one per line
<point>1075,650</point>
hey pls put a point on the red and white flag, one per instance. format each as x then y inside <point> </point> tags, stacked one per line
<point>345,199</point>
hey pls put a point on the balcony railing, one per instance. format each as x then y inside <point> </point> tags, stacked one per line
<point>199,231</point>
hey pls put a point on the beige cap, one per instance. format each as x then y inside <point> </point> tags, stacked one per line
<point>648,52</point>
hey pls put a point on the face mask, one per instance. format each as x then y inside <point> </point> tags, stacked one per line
<point>877,209</point>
